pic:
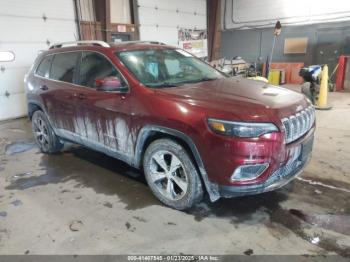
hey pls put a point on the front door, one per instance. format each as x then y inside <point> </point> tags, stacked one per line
<point>102,117</point>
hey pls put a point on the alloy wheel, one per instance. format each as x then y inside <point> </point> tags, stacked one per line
<point>41,132</point>
<point>168,175</point>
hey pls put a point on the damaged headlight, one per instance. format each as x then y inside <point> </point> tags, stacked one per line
<point>241,129</point>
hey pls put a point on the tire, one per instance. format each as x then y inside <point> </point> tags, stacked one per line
<point>171,174</point>
<point>44,135</point>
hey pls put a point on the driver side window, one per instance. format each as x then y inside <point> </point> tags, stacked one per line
<point>95,67</point>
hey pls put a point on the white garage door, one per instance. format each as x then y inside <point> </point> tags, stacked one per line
<point>26,28</point>
<point>160,20</point>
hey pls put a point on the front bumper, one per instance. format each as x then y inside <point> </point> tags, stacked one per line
<point>277,179</point>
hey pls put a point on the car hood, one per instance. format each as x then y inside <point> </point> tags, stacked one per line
<point>238,95</point>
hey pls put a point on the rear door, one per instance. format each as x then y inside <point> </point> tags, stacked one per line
<point>40,82</point>
<point>58,93</point>
<point>103,117</point>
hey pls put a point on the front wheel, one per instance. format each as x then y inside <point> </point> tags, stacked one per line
<point>171,175</point>
<point>44,135</point>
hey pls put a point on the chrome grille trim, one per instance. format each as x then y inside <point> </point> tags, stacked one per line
<point>299,124</point>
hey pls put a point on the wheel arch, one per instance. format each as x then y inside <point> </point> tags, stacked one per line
<point>150,133</point>
<point>32,107</point>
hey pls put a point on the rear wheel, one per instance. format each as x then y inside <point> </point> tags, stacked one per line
<point>171,175</point>
<point>44,135</point>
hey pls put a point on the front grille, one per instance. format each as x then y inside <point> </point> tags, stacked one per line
<point>297,125</point>
<point>288,171</point>
<point>285,171</point>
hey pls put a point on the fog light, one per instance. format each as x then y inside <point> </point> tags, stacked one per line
<point>248,172</point>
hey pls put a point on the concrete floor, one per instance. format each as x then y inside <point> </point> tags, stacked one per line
<point>82,202</point>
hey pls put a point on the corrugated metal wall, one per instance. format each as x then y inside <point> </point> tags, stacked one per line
<point>27,27</point>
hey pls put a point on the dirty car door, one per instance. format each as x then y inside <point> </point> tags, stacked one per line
<point>61,89</point>
<point>102,117</point>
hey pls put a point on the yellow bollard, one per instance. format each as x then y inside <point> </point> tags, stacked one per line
<point>322,98</point>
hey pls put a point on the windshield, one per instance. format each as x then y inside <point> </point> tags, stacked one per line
<point>167,67</point>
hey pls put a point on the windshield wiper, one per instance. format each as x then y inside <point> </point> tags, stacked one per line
<point>168,84</point>
<point>164,84</point>
<point>203,79</point>
<point>207,79</point>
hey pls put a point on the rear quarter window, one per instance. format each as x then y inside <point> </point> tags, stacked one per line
<point>63,67</point>
<point>44,66</point>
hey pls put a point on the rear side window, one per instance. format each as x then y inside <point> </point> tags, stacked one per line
<point>64,67</point>
<point>95,66</point>
<point>44,67</point>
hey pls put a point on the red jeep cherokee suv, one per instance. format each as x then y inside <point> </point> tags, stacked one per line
<point>189,127</point>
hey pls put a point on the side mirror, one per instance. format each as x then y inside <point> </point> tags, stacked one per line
<point>7,56</point>
<point>110,84</point>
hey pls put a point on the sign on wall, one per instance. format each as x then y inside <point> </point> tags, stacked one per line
<point>296,45</point>
<point>194,41</point>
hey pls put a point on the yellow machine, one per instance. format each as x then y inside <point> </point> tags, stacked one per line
<point>274,77</point>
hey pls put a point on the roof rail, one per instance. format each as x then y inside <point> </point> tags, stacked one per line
<point>76,43</point>
<point>140,42</point>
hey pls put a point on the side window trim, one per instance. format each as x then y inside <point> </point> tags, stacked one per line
<point>38,65</point>
<point>76,77</point>
<point>49,73</point>
<point>109,60</point>
<point>53,57</point>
